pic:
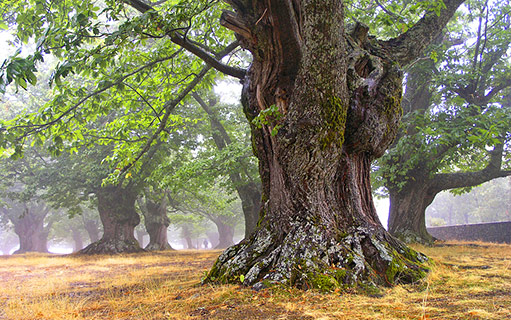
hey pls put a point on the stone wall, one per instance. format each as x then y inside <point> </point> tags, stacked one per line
<point>487,232</point>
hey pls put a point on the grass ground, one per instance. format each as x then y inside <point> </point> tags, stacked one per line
<point>468,281</point>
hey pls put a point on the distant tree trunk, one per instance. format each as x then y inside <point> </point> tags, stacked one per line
<point>156,224</point>
<point>250,195</point>
<point>187,235</point>
<point>140,237</point>
<point>225,234</point>
<point>248,191</point>
<point>29,227</point>
<point>92,228</point>
<point>213,238</point>
<point>77,240</point>
<point>407,219</point>
<point>116,206</point>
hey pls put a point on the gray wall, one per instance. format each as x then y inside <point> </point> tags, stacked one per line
<point>487,232</point>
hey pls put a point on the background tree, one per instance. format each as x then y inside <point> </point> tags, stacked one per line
<point>156,220</point>
<point>191,226</point>
<point>242,177</point>
<point>214,204</point>
<point>28,219</point>
<point>79,178</point>
<point>457,114</point>
<point>22,189</point>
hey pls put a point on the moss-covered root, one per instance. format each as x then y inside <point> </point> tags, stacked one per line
<point>307,258</point>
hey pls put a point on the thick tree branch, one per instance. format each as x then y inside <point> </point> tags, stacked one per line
<point>206,57</point>
<point>446,181</point>
<point>470,95</point>
<point>220,135</point>
<point>168,108</point>
<point>172,104</point>
<point>410,45</point>
<point>180,40</point>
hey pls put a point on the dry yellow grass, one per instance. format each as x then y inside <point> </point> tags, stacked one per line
<point>467,281</point>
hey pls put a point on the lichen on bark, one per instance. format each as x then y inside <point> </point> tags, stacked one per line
<point>308,258</point>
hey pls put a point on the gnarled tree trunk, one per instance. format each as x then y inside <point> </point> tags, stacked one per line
<point>332,104</point>
<point>116,206</point>
<point>156,224</point>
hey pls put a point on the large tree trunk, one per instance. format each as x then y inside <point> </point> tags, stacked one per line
<point>332,105</point>
<point>116,208</point>
<point>250,195</point>
<point>30,229</point>
<point>407,219</point>
<point>225,234</point>
<point>156,224</point>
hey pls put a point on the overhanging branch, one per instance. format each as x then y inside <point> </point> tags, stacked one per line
<point>446,181</point>
<point>182,41</point>
<point>410,45</point>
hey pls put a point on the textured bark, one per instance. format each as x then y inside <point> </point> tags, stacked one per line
<point>407,219</point>
<point>116,208</point>
<point>156,224</point>
<point>338,96</point>
<point>248,191</point>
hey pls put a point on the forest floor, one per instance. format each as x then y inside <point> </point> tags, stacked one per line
<point>467,281</point>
